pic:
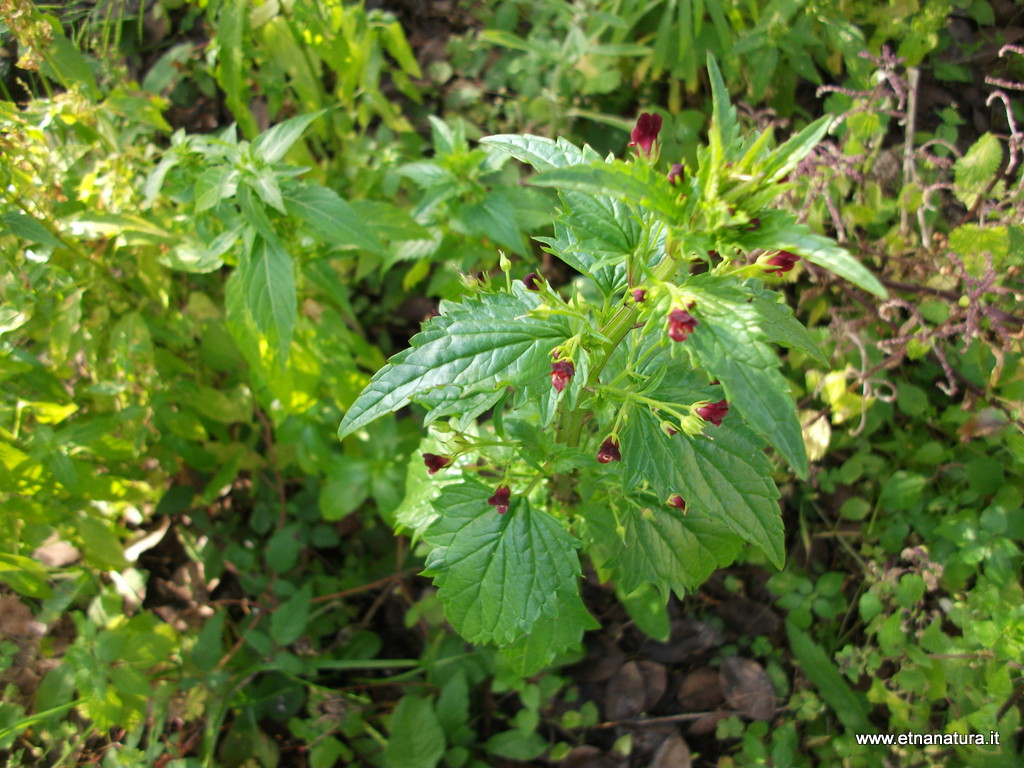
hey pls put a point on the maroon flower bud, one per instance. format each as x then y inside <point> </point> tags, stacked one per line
<point>639,294</point>
<point>561,373</point>
<point>675,173</point>
<point>645,133</point>
<point>675,500</point>
<point>435,462</point>
<point>609,451</point>
<point>500,499</point>
<point>669,430</point>
<point>680,324</point>
<point>714,412</point>
<point>783,261</point>
<point>530,281</point>
<point>755,223</point>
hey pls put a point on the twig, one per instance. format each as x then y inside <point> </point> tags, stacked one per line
<point>909,169</point>
<point>366,587</point>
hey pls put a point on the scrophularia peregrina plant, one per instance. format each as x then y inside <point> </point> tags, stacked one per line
<point>625,415</point>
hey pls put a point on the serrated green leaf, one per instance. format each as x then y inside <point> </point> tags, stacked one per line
<point>496,574</point>
<point>484,342</point>
<point>592,179</point>
<point>780,231</point>
<point>730,343</point>
<point>323,211</point>
<point>541,153</point>
<point>269,287</point>
<point>724,129</point>
<point>849,706</point>
<point>796,148</point>
<point>781,327</point>
<point>607,221</point>
<point>417,740</point>
<point>550,636</point>
<point>212,186</point>
<point>656,543</point>
<point>723,475</point>
<point>974,171</point>
<point>830,255</point>
<point>271,145</point>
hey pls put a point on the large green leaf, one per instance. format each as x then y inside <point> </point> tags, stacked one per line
<point>780,325</point>
<point>272,145</point>
<point>729,342</point>
<point>723,475</point>
<point>269,286</point>
<point>542,153</point>
<point>483,343</point>
<point>323,211</point>
<point>830,255</point>
<point>496,574</point>
<point>658,544</point>
<point>550,636</point>
<point>780,231</point>
<point>787,157</point>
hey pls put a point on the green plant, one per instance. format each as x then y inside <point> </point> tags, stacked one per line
<point>679,482</point>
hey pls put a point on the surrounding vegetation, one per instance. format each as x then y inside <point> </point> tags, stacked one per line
<point>560,272</point>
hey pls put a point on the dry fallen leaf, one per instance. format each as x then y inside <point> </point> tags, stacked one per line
<point>673,753</point>
<point>747,688</point>
<point>625,696</point>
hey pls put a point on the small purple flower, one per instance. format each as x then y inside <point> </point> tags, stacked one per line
<point>530,281</point>
<point>675,173</point>
<point>435,462</point>
<point>783,261</point>
<point>609,451</point>
<point>680,324</point>
<point>639,294</point>
<point>714,412</point>
<point>561,373</point>
<point>500,499</point>
<point>645,133</point>
<point>675,500</point>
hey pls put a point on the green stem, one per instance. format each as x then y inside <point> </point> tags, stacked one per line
<point>615,330</point>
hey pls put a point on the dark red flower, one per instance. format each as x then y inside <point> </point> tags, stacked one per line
<point>783,261</point>
<point>435,462</point>
<point>609,451</point>
<point>561,373</point>
<point>645,133</point>
<point>639,294</point>
<point>755,223</point>
<point>675,173</point>
<point>714,412</point>
<point>680,324</point>
<point>669,430</point>
<point>530,281</point>
<point>675,500</point>
<point>500,499</point>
